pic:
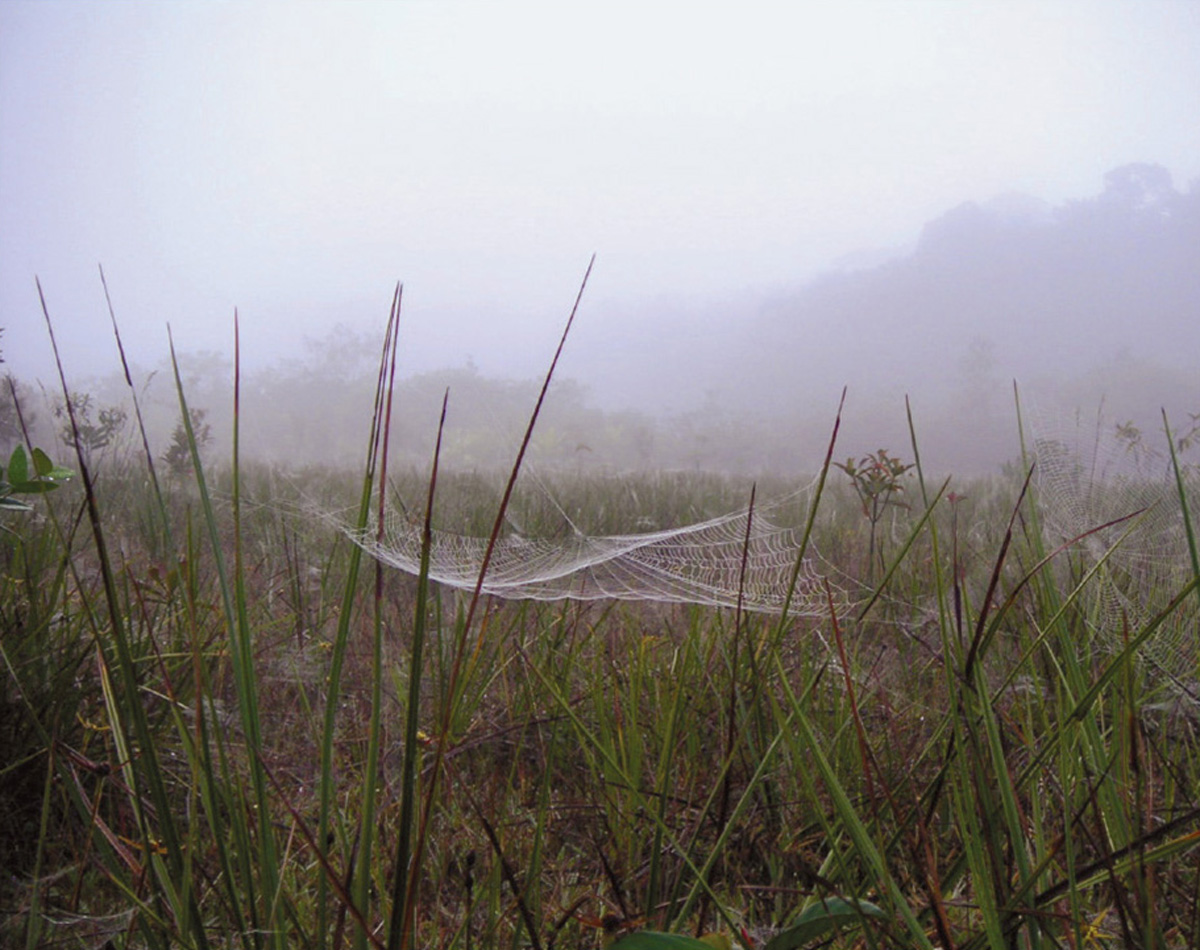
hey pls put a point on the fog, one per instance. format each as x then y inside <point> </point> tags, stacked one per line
<point>921,199</point>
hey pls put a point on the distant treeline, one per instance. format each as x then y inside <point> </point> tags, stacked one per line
<point>1097,300</point>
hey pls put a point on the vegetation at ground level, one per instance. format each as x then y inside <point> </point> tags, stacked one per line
<point>224,727</point>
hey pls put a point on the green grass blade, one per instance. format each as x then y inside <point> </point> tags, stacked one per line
<point>1183,500</point>
<point>854,827</point>
<point>405,870</point>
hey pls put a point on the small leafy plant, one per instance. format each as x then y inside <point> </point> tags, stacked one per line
<point>178,456</point>
<point>18,479</point>
<point>876,479</point>
<point>92,435</point>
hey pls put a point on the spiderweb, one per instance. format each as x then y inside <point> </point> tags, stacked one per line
<point>1092,472</point>
<point>697,564</point>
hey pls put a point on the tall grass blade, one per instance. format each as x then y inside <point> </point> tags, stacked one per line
<point>802,550</point>
<point>405,870</point>
<point>476,596</point>
<point>149,774</point>
<point>853,825</point>
<point>828,914</point>
<point>1184,507</point>
<point>333,701</point>
<point>137,411</point>
<point>367,831</point>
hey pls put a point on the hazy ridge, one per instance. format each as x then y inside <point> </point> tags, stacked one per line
<point>1095,300</point>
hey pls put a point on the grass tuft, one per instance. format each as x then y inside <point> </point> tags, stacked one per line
<point>222,731</point>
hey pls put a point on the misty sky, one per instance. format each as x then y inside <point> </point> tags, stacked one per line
<point>294,160</point>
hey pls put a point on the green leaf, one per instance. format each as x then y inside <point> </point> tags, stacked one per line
<point>821,918</point>
<point>653,940</point>
<point>44,477</point>
<point>18,466</point>
<point>33,488</point>
<point>12,504</point>
<point>60,474</point>
<point>42,464</point>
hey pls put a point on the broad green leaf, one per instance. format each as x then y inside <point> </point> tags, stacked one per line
<point>18,466</point>
<point>653,940</point>
<point>12,504</point>
<point>33,488</point>
<point>42,464</point>
<point>821,918</point>
<point>47,469</point>
<point>44,477</point>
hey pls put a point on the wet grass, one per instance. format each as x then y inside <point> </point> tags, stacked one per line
<point>226,727</point>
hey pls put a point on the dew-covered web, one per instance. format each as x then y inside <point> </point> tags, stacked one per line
<point>1093,471</point>
<point>697,564</point>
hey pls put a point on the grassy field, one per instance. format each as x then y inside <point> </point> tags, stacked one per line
<point>224,726</point>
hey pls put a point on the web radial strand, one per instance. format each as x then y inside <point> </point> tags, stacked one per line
<point>696,564</point>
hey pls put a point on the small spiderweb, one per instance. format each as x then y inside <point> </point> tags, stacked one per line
<point>1092,471</point>
<point>696,564</point>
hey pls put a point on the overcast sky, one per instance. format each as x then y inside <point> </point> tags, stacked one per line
<point>294,160</point>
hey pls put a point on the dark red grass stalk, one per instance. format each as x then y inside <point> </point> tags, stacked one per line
<point>409,909</point>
